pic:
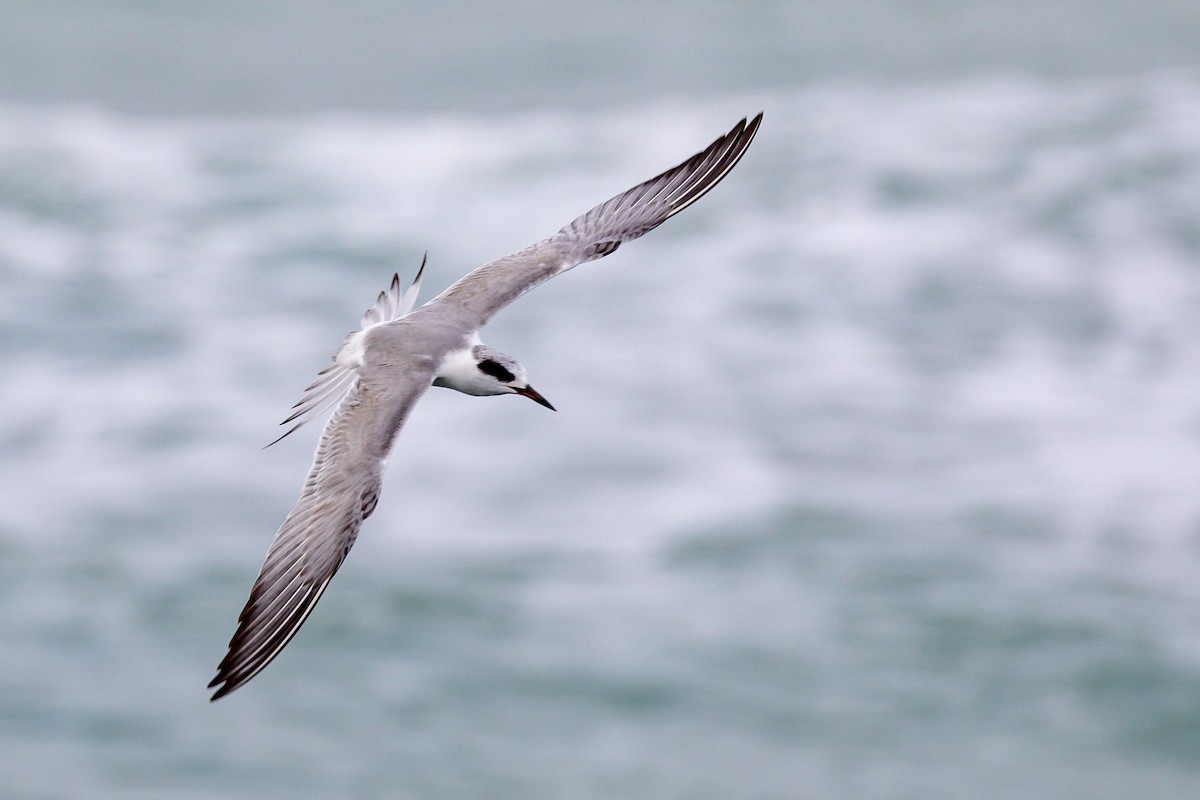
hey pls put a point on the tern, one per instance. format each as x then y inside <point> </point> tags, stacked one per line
<point>382,370</point>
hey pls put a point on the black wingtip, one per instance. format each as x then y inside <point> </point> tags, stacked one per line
<point>221,690</point>
<point>286,433</point>
<point>752,127</point>
<point>421,269</point>
<point>710,166</point>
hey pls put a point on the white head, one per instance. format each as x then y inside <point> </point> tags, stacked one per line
<point>481,370</point>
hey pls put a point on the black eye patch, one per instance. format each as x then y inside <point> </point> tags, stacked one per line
<point>496,370</point>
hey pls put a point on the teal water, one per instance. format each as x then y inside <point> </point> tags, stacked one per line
<point>873,474</point>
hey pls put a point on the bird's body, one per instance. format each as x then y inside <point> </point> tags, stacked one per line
<point>382,370</point>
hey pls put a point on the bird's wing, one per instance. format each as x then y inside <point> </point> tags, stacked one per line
<point>486,290</point>
<point>341,491</point>
<point>333,381</point>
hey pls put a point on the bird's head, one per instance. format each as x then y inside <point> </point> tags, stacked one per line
<point>483,370</point>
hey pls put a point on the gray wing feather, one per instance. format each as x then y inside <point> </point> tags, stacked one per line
<point>600,231</point>
<point>340,492</point>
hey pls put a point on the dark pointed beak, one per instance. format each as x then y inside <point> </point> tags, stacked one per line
<point>532,394</point>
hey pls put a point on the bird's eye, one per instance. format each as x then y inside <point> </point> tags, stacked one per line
<point>496,370</point>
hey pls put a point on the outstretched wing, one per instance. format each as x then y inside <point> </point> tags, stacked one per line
<point>341,491</point>
<point>333,381</point>
<point>600,231</point>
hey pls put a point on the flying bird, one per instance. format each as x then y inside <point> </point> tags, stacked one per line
<point>382,370</point>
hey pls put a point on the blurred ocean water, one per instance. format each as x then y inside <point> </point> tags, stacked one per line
<point>874,474</point>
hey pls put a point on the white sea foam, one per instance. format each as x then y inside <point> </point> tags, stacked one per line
<point>1001,253</point>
